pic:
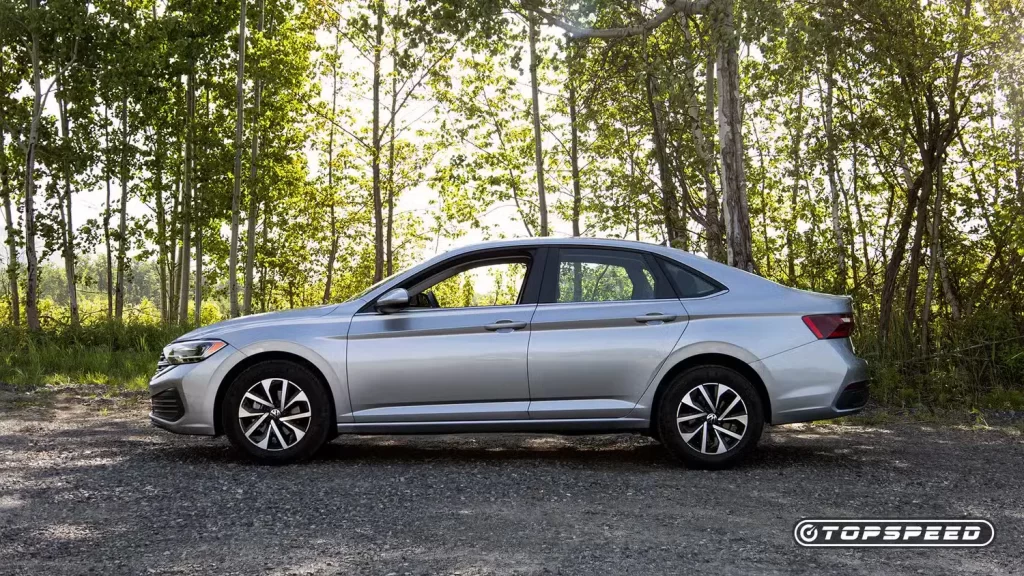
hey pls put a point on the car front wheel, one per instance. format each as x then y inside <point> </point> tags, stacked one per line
<point>710,417</point>
<point>276,412</point>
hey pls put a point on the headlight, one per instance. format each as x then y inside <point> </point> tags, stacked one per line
<point>192,351</point>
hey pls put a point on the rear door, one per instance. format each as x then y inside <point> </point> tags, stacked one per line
<point>606,321</point>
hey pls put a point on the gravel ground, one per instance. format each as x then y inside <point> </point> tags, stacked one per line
<point>95,489</point>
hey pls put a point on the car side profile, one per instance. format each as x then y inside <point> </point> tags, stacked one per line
<point>539,335</point>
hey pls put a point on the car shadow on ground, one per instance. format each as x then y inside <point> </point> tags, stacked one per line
<point>607,452</point>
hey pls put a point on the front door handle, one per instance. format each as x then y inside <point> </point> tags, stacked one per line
<point>505,326</point>
<point>655,317</point>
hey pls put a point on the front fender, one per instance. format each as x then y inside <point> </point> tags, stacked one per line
<point>333,369</point>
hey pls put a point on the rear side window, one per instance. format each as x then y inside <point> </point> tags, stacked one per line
<point>601,275</point>
<point>689,284</point>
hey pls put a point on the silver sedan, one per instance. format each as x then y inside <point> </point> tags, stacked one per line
<point>540,335</point>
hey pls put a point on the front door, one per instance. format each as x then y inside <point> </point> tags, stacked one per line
<point>457,354</point>
<point>606,321</point>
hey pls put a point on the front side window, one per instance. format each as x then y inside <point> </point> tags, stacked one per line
<point>487,283</point>
<point>590,275</point>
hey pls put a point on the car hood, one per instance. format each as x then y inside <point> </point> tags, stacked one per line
<point>234,324</point>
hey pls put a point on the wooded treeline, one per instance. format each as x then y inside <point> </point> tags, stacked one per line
<point>872,148</point>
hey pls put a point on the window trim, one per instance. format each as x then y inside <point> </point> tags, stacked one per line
<point>663,289</point>
<point>527,297</point>
<point>663,262</point>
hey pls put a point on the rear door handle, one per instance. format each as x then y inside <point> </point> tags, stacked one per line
<point>655,317</point>
<point>505,326</point>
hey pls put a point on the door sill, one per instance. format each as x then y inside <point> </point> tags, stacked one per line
<point>472,426</point>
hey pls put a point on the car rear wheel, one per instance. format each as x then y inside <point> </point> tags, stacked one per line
<point>276,412</point>
<point>710,417</point>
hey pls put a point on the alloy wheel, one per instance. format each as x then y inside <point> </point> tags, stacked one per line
<point>712,418</point>
<point>274,414</point>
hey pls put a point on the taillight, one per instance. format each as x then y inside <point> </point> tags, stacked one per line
<point>827,326</point>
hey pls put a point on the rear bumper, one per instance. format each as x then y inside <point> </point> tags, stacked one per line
<point>817,381</point>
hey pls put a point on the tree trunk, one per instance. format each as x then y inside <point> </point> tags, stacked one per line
<point>31,306</point>
<point>834,182</point>
<point>892,268</point>
<point>330,170</point>
<point>730,136</point>
<point>250,236</point>
<point>910,301</point>
<point>122,226</point>
<point>933,252</point>
<point>538,146</point>
<point>236,192</point>
<point>574,150</point>
<point>796,175</point>
<point>389,237</point>
<point>714,240</point>
<point>675,227</point>
<point>12,243</point>
<point>198,301</point>
<point>106,220</point>
<point>161,226</point>
<point>64,202</point>
<point>185,203</point>
<point>705,148</point>
<point>378,210</point>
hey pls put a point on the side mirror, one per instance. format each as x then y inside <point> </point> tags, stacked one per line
<point>393,301</point>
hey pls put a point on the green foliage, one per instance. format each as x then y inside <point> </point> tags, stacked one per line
<point>857,117</point>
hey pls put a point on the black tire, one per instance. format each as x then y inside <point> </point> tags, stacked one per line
<point>283,376</point>
<point>671,408</point>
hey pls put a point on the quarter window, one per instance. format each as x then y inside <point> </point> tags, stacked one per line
<point>586,275</point>
<point>689,284</point>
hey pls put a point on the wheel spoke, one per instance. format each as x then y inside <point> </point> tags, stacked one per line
<point>259,401</point>
<point>300,397</point>
<point>277,434</point>
<point>688,400</point>
<point>682,419</point>
<point>721,445</point>
<point>704,392</point>
<point>742,419</point>
<point>243,413</point>
<point>732,405</point>
<point>728,432</point>
<point>298,432</point>
<point>704,438</point>
<point>293,417</point>
<point>255,425</point>
<point>687,436</point>
<point>284,394</point>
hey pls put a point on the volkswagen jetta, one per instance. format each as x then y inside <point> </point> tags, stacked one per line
<point>540,335</point>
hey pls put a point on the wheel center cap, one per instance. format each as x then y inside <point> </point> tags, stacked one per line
<point>712,417</point>
<point>275,413</point>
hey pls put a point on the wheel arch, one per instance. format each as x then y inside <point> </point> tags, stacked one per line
<point>268,356</point>
<point>711,359</point>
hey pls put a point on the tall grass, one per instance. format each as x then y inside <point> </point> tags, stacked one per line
<point>977,362</point>
<point>109,353</point>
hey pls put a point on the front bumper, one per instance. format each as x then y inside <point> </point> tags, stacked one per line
<point>194,388</point>
<point>817,381</point>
